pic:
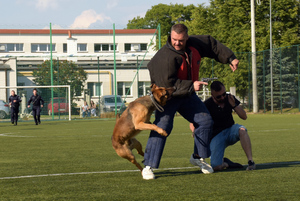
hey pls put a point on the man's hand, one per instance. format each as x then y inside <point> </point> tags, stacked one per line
<point>231,100</point>
<point>28,106</point>
<point>198,85</point>
<point>42,106</point>
<point>234,64</point>
<point>15,101</point>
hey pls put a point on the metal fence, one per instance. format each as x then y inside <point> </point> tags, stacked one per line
<point>280,88</point>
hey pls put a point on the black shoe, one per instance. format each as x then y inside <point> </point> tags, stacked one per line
<point>39,122</point>
<point>232,164</point>
<point>36,123</point>
<point>16,123</point>
<point>12,122</point>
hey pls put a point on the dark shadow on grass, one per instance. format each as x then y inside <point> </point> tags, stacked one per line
<point>261,166</point>
<point>172,173</point>
<point>273,165</point>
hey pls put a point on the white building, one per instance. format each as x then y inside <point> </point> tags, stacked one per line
<point>22,50</point>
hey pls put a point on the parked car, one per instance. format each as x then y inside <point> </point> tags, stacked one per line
<point>4,109</point>
<point>59,105</point>
<point>107,104</point>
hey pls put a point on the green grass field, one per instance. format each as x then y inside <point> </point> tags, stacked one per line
<point>62,160</point>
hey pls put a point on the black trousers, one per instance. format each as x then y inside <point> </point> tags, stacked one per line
<point>36,113</point>
<point>14,114</point>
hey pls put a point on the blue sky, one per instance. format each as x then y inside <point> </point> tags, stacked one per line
<point>98,14</point>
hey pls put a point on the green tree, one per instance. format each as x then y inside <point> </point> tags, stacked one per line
<point>64,73</point>
<point>163,14</point>
<point>285,78</point>
<point>229,21</point>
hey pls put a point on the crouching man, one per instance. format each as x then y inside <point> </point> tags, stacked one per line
<point>225,131</point>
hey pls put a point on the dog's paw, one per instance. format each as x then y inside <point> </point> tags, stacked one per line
<point>163,133</point>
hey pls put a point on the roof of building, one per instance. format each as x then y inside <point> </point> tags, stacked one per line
<point>77,31</point>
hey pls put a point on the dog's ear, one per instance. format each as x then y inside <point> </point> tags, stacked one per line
<point>153,86</point>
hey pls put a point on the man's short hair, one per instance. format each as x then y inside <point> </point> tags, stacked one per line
<point>216,86</point>
<point>179,28</point>
<point>34,89</point>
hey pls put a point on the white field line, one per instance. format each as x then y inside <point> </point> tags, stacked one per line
<point>122,171</point>
<point>12,135</point>
<point>85,173</point>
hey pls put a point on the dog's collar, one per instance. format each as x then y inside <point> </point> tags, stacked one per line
<point>156,104</point>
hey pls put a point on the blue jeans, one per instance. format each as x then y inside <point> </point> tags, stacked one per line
<point>219,143</point>
<point>86,113</point>
<point>193,110</point>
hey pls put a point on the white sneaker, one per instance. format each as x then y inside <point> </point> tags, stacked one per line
<point>148,173</point>
<point>205,167</point>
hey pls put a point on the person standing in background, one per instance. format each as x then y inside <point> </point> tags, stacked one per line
<point>93,109</point>
<point>37,103</point>
<point>14,102</point>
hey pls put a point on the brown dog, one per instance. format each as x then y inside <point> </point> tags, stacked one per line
<point>135,119</point>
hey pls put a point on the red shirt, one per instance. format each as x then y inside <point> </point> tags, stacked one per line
<point>182,72</point>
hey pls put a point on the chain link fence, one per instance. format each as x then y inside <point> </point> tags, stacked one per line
<point>278,84</point>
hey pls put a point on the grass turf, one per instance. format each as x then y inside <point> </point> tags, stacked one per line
<point>85,147</point>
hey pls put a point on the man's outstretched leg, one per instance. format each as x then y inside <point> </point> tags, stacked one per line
<point>156,142</point>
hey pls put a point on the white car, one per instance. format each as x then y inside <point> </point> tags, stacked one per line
<point>4,109</point>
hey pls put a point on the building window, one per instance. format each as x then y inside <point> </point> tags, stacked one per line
<point>11,47</point>
<point>124,88</point>
<point>97,47</point>
<point>144,88</point>
<point>95,88</point>
<point>65,48</point>
<point>143,46</point>
<point>104,47</point>
<point>81,47</point>
<point>112,47</point>
<point>127,47</point>
<point>135,47</point>
<point>42,47</point>
<point>21,84</point>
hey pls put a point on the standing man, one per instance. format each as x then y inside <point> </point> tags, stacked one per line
<point>37,103</point>
<point>14,102</point>
<point>176,65</point>
<point>225,131</point>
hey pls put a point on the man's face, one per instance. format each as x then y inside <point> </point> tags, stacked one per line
<point>34,92</point>
<point>219,96</point>
<point>178,41</point>
<point>12,93</point>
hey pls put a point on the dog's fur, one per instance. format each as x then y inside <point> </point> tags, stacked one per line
<point>135,119</point>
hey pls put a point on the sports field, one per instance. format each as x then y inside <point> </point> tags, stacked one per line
<point>62,160</point>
